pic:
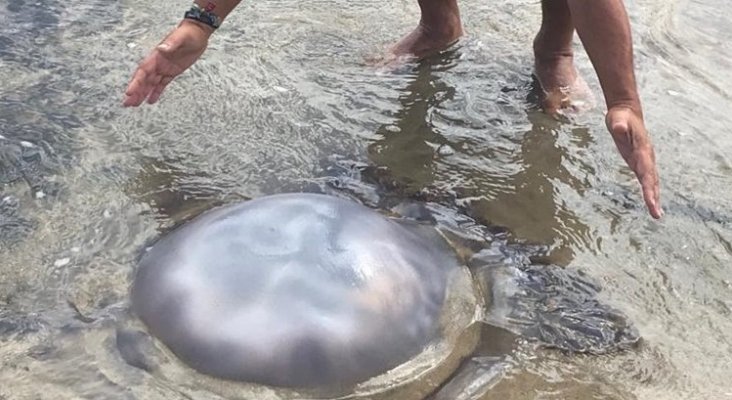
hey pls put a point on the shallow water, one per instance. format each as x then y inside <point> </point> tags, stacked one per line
<point>283,89</point>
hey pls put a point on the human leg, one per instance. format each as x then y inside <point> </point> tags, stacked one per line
<point>554,59</point>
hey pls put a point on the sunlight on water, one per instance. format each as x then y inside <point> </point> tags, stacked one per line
<point>284,92</point>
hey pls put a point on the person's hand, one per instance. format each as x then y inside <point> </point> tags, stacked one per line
<point>629,132</point>
<point>180,49</point>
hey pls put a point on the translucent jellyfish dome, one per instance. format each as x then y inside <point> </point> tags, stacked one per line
<point>294,290</point>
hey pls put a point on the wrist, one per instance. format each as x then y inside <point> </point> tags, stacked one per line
<point>204,14</point>
<point>633,106</point>
<point>196,26</point>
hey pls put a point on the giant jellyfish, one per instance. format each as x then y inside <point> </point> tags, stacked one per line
<point>295,290</point>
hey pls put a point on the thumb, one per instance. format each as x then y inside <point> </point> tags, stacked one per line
<point>617,122</point>
<point>173,42</point>
<point>168,46</point>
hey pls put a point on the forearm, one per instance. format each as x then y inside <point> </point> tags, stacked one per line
<point>604,29</point>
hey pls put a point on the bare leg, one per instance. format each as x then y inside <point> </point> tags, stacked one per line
<point>554,60</point>
<point>439,26</point>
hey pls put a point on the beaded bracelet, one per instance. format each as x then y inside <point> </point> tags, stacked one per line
<point>203,15</point>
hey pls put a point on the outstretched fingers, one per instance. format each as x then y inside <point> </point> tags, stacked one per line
<point>142,84</point>
<point>648,178</point>
<point>158,90</point>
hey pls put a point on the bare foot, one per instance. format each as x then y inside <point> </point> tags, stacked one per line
<point>417,45</point>
<point>424,41</point>
<point>563,89</point>
<point>439,27</point>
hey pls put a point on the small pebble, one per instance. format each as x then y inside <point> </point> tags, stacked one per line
<point>673,93</point>
<point>61,262</point>
<point>131,45</point>
<point>2,137</point>
<point>280,89</point>
<point>445,150</point>
<point>26,144</point>
<point>107,214</point>
<point>40,195</point>
<point>75,249</point>
<point>393,128</point>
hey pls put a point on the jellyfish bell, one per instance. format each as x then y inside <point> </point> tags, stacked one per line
<point>296,291</point>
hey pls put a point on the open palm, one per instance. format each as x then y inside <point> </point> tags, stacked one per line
<point>180,49</point>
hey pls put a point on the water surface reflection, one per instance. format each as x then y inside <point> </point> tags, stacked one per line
<point>84,185</point>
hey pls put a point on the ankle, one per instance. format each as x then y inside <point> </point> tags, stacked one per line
<point>447,27</point>
<point>548,48</point>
